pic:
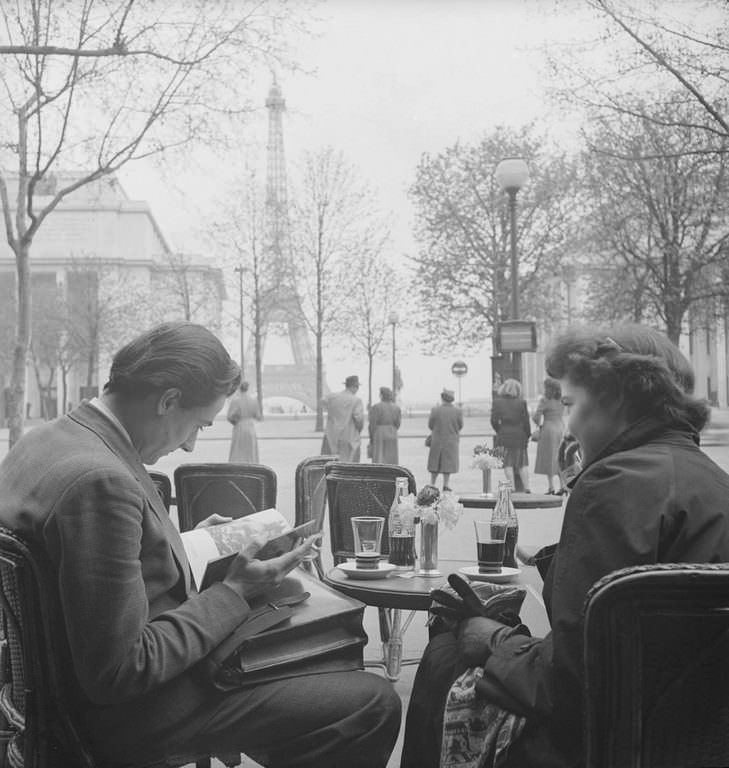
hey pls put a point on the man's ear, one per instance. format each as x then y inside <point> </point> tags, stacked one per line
<point>168,400</point>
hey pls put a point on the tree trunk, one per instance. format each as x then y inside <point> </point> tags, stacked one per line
<point>319,425</point>
<point>257,352</point>
<point>370,363</point>
<point>16,398</point>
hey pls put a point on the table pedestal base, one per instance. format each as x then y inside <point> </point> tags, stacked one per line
<point>392,629</point>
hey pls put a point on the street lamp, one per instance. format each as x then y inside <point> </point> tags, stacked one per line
<point>393,319</point>
<point>239,270</point>
<point>511,175</point>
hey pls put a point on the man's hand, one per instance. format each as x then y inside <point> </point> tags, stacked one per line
<point>250,577</point>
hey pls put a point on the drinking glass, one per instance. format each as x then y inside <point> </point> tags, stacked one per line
<point>490,538</point>
<point>367,534</point>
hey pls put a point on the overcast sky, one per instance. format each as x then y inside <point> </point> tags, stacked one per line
<point>390,79</point>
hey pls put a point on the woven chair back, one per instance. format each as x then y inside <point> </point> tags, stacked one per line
<point>233,490</point>
<point>164,487</point>
<point>34,698</point>
<point>360,489</point>
<point>656,651</point>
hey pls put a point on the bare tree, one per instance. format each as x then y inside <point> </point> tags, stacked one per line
<point>376,291</point>
<point>677,51</point>
<point>239,232</point>
<point>660,215</point>
<point>103,304</point>
<point>93,86</point>
<point>335,220</point>
<point>187,290</point>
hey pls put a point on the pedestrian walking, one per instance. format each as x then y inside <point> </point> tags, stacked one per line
<point>510,422</point>
<point>549,418</point>
<point>445,424</point>
<point>384,422</point>
<point>345,419</point>
<point>243,413</point>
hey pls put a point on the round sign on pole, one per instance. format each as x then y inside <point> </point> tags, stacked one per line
<point>459,368</point>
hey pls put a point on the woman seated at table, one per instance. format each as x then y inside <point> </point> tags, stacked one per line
<point>646,494</point>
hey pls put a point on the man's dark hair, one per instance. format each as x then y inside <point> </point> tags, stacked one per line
<point>178,355</point>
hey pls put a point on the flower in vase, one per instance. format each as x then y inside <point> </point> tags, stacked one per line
<point>435,507</point>
<point>487,458</point>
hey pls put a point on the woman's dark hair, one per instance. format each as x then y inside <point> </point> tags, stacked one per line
<point>631,364</point>
<point>178,355</point>
<point>552,389</point>
<point>386,394</point>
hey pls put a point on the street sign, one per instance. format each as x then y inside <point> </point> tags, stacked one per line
<point>459,368</point>
<point>516,336</point>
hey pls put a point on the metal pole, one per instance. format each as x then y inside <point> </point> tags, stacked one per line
<point>239,270</point>
<point>516,356</point>
<point>394,368</point>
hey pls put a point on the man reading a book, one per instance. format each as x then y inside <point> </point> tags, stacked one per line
<point>136,629</point>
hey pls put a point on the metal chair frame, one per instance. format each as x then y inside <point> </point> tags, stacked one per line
<point>369,476</point>
<point>241,489</point>
<point>310,497</point>
<point>656,660</point>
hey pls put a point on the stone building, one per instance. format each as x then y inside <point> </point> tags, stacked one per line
<point>101,271</point>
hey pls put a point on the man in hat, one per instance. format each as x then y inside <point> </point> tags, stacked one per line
<point>345,419</point>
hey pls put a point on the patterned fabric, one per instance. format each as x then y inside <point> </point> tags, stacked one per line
<point>476,733</point>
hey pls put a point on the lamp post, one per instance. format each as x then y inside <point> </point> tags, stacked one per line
<point>511,175</point>
<point>393,319</point>
<point>239,270</point>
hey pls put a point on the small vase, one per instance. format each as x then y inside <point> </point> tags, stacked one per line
<point>429,550</point>
<point>486,480</point>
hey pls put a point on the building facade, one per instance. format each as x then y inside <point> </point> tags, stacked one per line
<point>101,271</point>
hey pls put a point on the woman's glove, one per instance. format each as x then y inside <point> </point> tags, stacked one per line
<point>501,606</point>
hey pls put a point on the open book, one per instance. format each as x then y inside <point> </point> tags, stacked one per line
<point>262,535</point>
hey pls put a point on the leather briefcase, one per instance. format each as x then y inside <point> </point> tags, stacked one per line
<point>301,628</point>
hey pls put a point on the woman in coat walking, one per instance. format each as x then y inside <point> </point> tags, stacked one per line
<point>243,412</point>
<point>383,425</point>
<point>549,417</point>
<point>445,424</point>
<point>510,421</point>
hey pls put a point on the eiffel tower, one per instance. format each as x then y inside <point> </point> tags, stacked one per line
<point>283,305</point>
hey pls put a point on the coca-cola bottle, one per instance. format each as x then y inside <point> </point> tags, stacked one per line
<point>506,510</point>
<point>401,530</point>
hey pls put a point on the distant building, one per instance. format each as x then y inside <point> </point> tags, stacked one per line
<point>101,271</point>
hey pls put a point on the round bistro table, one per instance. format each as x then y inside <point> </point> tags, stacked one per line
<point>397,593</point>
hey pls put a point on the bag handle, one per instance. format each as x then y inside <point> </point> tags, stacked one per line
<point>263,618</point>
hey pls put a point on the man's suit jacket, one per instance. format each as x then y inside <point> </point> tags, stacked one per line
<point>136,629</point>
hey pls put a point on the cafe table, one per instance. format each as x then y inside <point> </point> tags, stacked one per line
<point>519,500</point>
<point>396,593</point>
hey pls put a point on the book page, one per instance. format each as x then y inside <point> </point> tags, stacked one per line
<point>244,534</point>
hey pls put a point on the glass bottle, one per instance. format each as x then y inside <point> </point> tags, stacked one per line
<point>504,510</point>
<point>401,530</point>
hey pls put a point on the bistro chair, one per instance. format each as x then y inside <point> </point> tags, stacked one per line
<point>368,489</point>
<point>310,497</point>
<point>233,490</point>
<point>164,486</point>
<point>656,655</point>
<point>34,698</point>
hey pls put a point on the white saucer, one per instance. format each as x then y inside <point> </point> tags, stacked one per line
<point>506,574</point>
<point>383,569</point>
